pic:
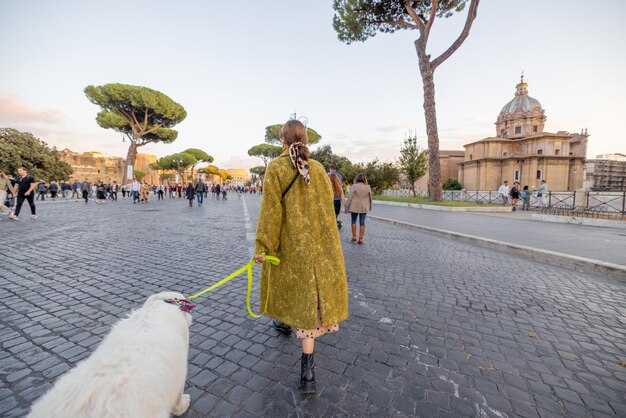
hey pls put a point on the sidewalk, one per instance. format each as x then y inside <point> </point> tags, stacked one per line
<point>518,228</point>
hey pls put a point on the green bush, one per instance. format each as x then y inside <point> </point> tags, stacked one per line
<point>452,184</point>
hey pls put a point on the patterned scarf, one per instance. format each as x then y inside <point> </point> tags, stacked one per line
<point>299,162</point>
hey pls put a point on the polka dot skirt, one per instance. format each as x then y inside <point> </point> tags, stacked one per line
<point>318,331</point>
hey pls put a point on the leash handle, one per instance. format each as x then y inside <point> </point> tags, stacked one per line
<point>274,261</point>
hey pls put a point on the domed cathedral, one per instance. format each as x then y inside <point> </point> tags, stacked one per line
<point>522,151</point>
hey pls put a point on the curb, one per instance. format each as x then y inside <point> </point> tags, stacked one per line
<point>554,258</point>
<point>482,209</point>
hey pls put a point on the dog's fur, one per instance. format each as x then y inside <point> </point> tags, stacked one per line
<point>138,370</point>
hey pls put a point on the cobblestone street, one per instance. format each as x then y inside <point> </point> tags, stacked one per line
<point>436,328</point>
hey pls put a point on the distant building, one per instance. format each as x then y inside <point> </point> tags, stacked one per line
<point>95,166</point>
<point>611,157</point>
<point>606,175</point>
<point>521,151</point>
<point>449,168</point>
<point>238,176</point>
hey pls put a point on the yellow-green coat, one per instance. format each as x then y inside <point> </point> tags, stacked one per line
<point>301,230</point>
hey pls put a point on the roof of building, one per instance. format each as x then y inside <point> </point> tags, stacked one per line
<point>521,101</point>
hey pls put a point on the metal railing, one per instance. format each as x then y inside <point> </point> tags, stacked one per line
<point>588,204</point>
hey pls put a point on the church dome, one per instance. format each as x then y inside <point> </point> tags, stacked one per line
<point>521,101</point>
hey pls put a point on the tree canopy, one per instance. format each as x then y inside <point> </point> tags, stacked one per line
<point>325,156</point>
<point>200,156</point>
<point>412,161</point>
<point>23,149</point>
<point>179,162</point>
<point>258,170</point>
<point>357,20</point>
<point>142,114</point>
<point>272,135</point>
<point>265,152</point>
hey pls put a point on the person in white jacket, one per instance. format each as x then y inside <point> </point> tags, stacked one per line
<point>504,192</point>
<point>542,193</point>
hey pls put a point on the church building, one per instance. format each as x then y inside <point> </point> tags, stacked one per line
<point>522,151</point>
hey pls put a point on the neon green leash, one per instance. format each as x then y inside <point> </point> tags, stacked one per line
<point>274,261</point>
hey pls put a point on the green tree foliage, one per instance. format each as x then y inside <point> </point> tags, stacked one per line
<point>139,174</point>
<point>412,161</point>
<point>179,163</point>
<point>23,149</point>
<point>272,135</point>
<point>258,170</point>
<point>325,156</point>
<point>380,176</point>
<point>142,114</point>
<point>357,20</point>
<point>452,184</point>
<point>200,156</point>
<point>265,152</point>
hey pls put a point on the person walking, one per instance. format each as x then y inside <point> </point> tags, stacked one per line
<point>134,189</point>
<point>145,192</point>
<point>542,194</point>
<point>76,185</point>
<point>359,204</point>
<point>86,187</point>
<point>338,195</point>
<point>54,189</point>
<point>308,291</point>
<point>41,188</point>
<point>525,198</point>
<point>514,193</point>
<point>160,192</point>
<point>5,188</point>
<point>190,193</point>
<point>200,190</point>
<point>23,190</point>
<point>504,192</point>
<point>114,191</point>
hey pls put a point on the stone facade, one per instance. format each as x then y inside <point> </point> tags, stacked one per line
<point>95,166</point>
<point>449,166</point>
<point>523,152</point>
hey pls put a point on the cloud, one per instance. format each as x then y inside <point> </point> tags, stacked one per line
<point>12,111</point>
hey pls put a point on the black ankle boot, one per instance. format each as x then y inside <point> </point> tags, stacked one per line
<point>307,374</point>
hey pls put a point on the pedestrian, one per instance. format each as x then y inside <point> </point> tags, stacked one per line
<point>514,193</point>
<point>41,188</point>
<point>134,188</point>
<point>160,192</point>
<point>76,189</point>
<point>309,291</point>
<point>224,193</point>
<point>504,192</point>
<point>333,170</point>
<point>5,190</point>
<point>145,192</point>
<point>200,190</point>
<point>86,187</point>
<point>338,195</point>
<point>542,193</point>
<point>190,193</point>
<point>179,190</point>
<point>54,189</point>
<point>525,198</point>
<point>100,191</point>
<point>359,204</point>
<point>217,190</point>
<point>114,191</point>
<point>23,190</point>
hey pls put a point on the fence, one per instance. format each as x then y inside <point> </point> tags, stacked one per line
<point>590,204</point>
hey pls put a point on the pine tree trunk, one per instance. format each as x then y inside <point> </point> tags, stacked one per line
<point>130,160</point>
<point>430,113</point>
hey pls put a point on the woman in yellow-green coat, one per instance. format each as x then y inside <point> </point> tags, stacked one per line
<point>308,290</point>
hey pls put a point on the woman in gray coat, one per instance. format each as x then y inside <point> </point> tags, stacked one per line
<point>359,203</point>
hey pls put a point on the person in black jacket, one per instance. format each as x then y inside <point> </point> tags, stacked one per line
<point>190,193</point>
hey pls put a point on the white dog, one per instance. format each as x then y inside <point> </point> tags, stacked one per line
<point>138,370</point>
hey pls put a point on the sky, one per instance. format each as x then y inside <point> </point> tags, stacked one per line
<point>237,67</point>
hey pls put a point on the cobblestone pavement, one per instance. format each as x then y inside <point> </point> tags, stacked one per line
<point>436,328</point>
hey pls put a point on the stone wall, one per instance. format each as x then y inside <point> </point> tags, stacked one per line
<point>95,166</point>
